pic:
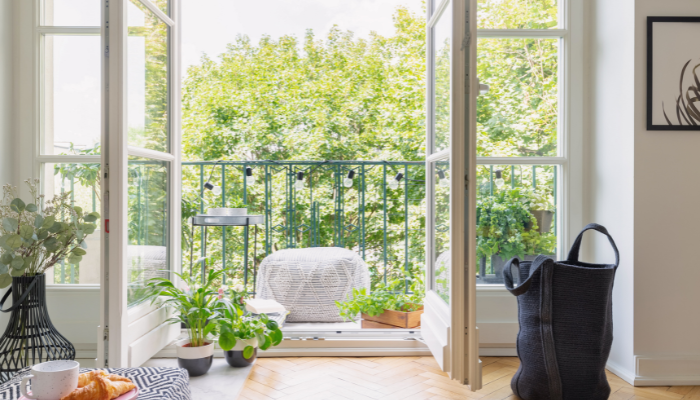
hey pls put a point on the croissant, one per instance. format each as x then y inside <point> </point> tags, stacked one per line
<point>118,388</point>
<point>95,390</point>
<point>86,378</point>
<point>100,388</point>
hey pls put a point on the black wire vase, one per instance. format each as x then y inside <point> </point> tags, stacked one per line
<point>30,337</point>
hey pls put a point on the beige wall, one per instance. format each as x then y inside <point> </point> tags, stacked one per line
<point>642,185</point>
<point>6,93</point>
<point>667,218</point>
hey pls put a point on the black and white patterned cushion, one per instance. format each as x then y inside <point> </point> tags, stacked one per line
<point>154,383</point>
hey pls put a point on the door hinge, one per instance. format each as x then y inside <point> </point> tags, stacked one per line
<point>105,333</point>
<point>107,51</point>
<point>466,182</point>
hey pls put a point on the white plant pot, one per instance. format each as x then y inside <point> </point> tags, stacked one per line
<point>242,343</point>
<point>196,360</point>
<point>227,212</point>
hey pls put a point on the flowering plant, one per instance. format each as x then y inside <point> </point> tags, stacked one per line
<point>33,238</point>
<point>199,306</point>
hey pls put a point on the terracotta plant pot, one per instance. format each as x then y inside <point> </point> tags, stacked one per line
<point>196,360</point>
<point>392,319</point>
<point>235,358</point>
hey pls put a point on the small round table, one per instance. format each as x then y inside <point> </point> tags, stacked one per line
<point>245,221</point>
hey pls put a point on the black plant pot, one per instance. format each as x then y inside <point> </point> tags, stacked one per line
<point>236,359</point>
<point>30,337</point>
<point>196,360</point>
<point>196,366</point>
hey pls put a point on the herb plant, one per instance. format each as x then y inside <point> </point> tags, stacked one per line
<point>384,297</point>
<point>34,238</point>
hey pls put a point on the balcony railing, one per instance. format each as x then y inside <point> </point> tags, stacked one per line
<point>366,210</point>
<point>332,206</point>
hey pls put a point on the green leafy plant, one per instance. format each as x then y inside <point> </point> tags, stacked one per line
<point>384,297</point>
<point>505,225</point>
<point>236,203</point>
<point>198,305</point>
<point>236,325</point>
<point>537,199</point>
<point>34,238</point>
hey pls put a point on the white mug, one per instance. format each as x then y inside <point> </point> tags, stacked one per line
<point>51,380</point>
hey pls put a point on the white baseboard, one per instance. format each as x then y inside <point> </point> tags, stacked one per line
<point>623,373</point>
<point>672,370</point>
<point>331,348</point>
<point>498,352</point>
<point>661,371</point>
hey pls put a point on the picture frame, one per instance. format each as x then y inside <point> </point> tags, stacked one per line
<point>673,74</point>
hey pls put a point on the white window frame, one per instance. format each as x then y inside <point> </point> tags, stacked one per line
<point>30,120</point>
<point>569,125</point>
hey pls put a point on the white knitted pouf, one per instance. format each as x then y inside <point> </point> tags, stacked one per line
<point>307,282</point>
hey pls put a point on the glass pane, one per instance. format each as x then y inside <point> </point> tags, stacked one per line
<point>516,216</point>
<point>163,5</point>
<point>147,74</point>
<point>517,14</point>
<point>441,236</point>
<point>441,59</point>
<point>519,114</point>
<point>147,250</point>
<point>82,181</point>
<point>72,95</point>
<point>72,13</point>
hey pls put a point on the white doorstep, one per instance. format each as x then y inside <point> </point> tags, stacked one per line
<point>221,382</point>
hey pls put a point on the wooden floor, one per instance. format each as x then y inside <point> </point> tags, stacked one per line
<point>405,378</point>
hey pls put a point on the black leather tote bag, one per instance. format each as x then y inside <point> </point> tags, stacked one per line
<point>565,315</point>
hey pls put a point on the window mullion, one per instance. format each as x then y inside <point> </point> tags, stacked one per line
<point>521,160</point>
<point>69,30</point>
<point>522,33</point>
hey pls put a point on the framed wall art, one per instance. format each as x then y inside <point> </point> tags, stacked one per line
<point>673,74</point>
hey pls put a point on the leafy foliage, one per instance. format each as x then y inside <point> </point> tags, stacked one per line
<point>198,305</point>
<point>505,226</point>
<point>34,238</point>
<point>340,98</point>
<point>383,297</point>
<point>236,325</point>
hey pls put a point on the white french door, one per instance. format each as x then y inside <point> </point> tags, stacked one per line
<point>142,175</point>
<point>448,324</point>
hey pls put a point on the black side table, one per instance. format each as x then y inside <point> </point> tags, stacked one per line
<point>245,221</point>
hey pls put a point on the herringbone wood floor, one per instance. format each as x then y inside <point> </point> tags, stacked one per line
<point>404,378</point>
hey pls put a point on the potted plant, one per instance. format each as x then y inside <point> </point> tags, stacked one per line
<point>198,306</point>
<point>537,201</point>
<point>241,334</point>
<point>237,208</point>
<point>501,221</point>
<point>386,306</point>
<point>34,238</point>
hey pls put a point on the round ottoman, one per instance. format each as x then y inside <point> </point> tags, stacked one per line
<point>308,282</point>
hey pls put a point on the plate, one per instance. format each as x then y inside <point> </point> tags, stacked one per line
<point>130,395</point>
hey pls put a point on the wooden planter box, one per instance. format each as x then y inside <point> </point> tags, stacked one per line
<point>391,319</point>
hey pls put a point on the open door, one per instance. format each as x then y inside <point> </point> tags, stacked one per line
<point>142,176</point>
<point>449,321</point>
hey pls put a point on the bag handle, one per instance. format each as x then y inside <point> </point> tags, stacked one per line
<point>21,298</point>
<point>525,286</point>
<point>574,252</point>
